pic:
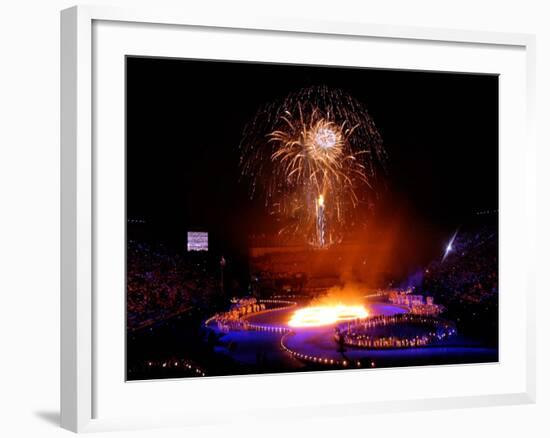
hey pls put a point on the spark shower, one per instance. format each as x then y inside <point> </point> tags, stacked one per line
<point>314,157</point>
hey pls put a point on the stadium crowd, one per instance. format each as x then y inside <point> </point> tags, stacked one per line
<point>161,283</point>
<point>469,272</point>
<point>466,283</point>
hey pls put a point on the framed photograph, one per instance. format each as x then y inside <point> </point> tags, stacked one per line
<point>316,208</point>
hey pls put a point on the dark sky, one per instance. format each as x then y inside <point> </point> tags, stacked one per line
<point>185,120</point>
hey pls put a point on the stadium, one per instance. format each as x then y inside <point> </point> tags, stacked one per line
<point>291,328</point>
<point>286,218</point>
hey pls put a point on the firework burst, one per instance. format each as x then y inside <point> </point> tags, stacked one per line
<point>314,157</point>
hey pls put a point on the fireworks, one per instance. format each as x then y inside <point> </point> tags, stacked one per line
<point>314,157</point>
<point>321,221</point>
<point>449,247</point>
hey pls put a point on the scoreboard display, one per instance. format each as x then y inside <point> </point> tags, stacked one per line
<point>197,241</point>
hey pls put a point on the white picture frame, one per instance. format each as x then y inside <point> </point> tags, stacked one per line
<point>80,168</point>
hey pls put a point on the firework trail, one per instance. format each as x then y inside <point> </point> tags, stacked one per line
<point>314,156</point>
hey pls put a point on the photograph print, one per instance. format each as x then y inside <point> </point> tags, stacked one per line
<point>290,218</point>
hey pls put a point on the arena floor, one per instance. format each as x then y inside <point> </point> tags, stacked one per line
<point>248,347</point>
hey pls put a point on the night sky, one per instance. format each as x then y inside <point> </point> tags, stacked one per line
<point>185,120</point>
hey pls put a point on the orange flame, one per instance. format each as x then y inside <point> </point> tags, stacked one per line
<point>318,316</point>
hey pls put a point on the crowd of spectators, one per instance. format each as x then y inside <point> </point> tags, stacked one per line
<point>162,283</point>
<point>466,283</point>
<point>469,272</point>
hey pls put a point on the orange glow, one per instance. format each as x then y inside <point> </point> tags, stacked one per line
<point>326,315</point>
<point>321,200</point>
